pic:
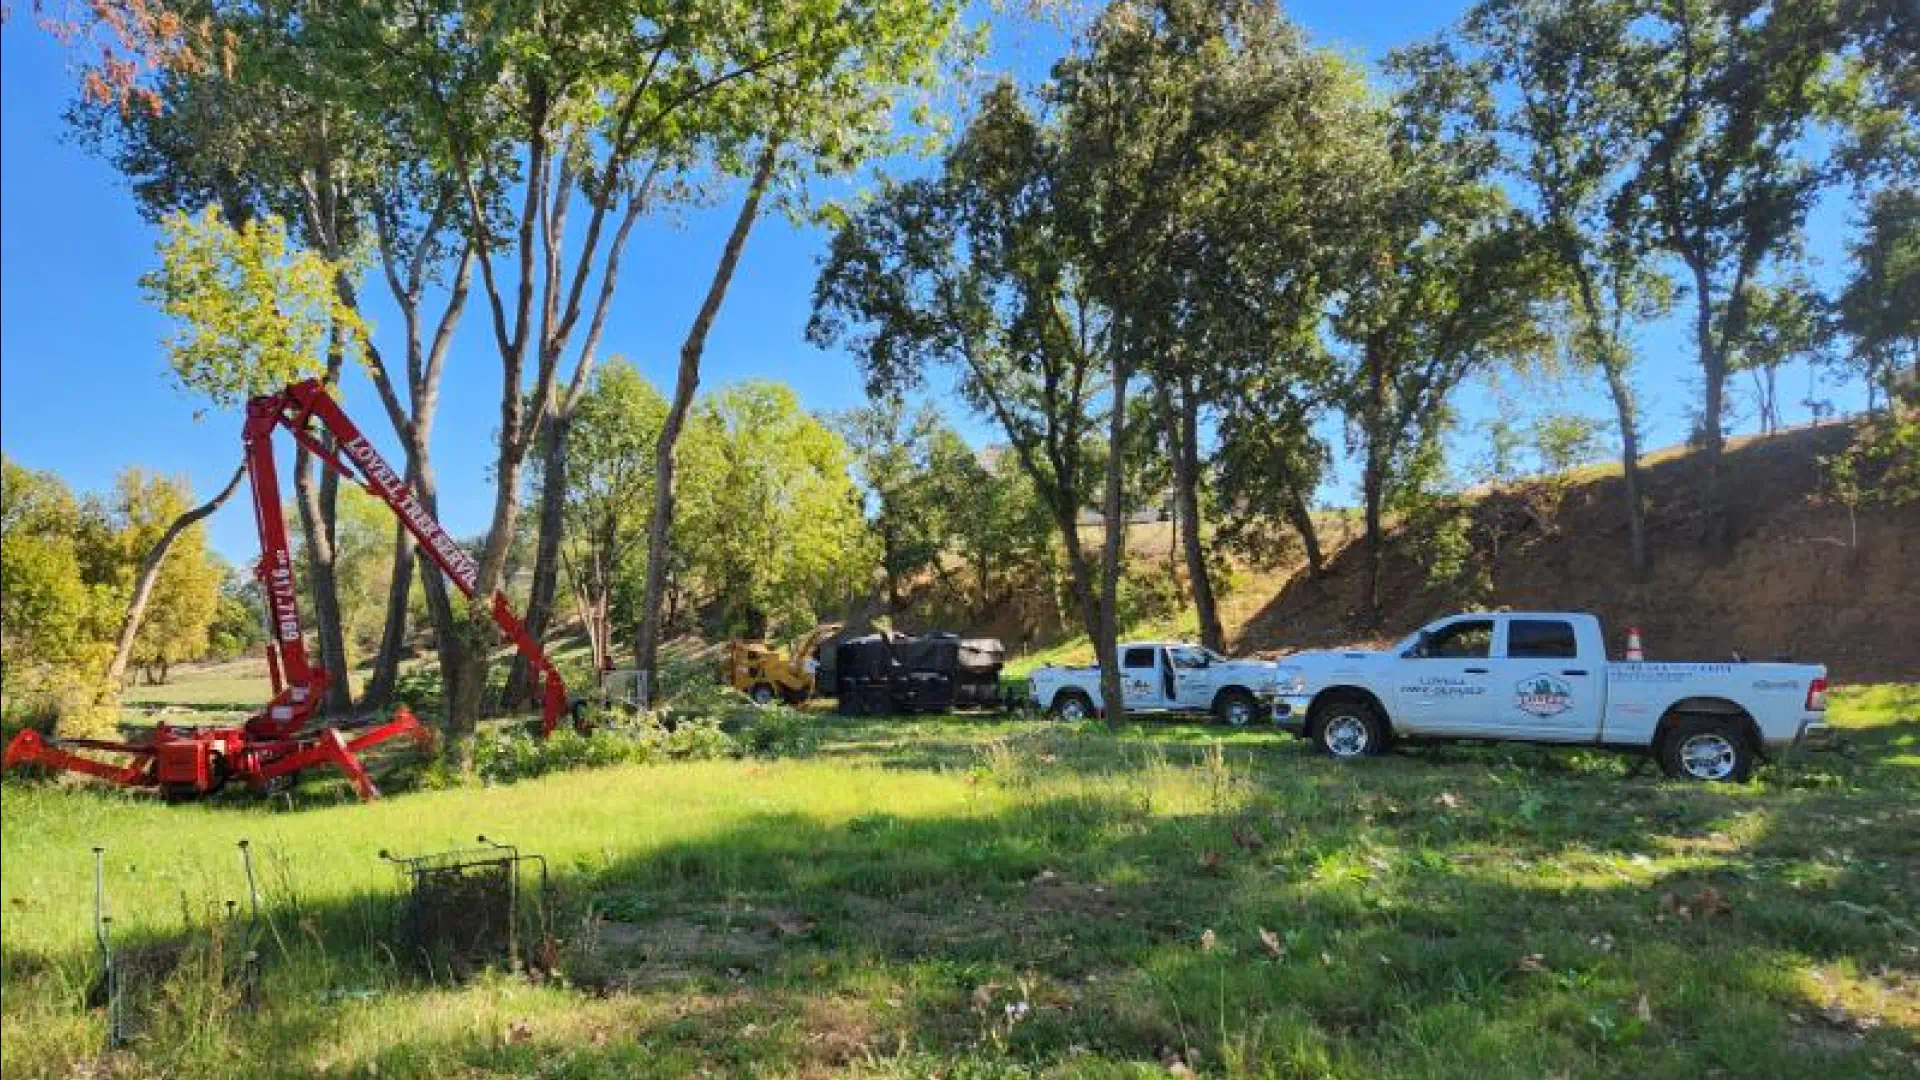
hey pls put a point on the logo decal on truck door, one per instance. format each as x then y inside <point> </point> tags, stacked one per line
<point>1543,695</point>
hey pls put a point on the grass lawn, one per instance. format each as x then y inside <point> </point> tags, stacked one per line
<point>967,897</point>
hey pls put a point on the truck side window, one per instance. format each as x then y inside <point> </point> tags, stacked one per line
<point>1190,658</point>
<point>1541,639</point>
<point>1138,658</point>
<point>1471,639</point>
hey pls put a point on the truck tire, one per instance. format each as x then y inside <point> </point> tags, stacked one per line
<point>1349,727</point>
<point>1707,749</point>
<point>1071,706</point>
<point>1235,707</point>
<point>761,694</point>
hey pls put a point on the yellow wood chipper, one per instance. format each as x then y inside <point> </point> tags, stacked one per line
<point>762,672</point>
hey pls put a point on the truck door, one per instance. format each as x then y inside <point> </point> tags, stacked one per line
<point>1542,689</point>
<point>1193,682</point>
<point>1444,680</point>
<point>1141,677</point>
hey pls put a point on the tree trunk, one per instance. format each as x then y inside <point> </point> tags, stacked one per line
<point>546,562</point>
<point>1185,414</point>
<point>316,526</point>
<point>1300,516</point>
<point>149,574</point>
<point>686,380</point>
<point>1374,477</point>
<point>393,637</point>
<point>1373,483</point>
<point>1628,413</point>
<point>1713,369</point>
<point>1106,628</point>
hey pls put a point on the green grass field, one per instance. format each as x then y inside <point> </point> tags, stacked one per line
<point>966,897</point>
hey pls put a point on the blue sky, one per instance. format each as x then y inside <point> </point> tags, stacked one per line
<point>84,388</point>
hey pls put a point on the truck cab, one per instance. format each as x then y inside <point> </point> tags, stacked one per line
<point>1163,677</point>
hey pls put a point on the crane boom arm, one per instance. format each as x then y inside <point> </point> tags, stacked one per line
<point>309,414</point>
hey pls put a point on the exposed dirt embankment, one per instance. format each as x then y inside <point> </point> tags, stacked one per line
<point>1799,578</point>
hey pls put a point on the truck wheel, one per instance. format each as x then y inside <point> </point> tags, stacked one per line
<point>1235,707</point>
<point>1708,749</point>
<point>1349,728</point>
<point>761,694</point>
<point>1071,706</point>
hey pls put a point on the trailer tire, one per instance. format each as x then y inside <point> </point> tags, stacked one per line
<point>1235,707</point>
<point>1072,706</point>
<point>1348,727</point>
<point>1708,749</point>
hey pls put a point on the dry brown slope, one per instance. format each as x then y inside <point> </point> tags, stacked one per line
<point>1799,580</point>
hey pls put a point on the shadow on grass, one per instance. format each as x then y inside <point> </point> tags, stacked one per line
<point>1394,918</point>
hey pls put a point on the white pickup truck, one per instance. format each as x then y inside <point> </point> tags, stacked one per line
<point>1162,677</point>
<point>1523,676</point>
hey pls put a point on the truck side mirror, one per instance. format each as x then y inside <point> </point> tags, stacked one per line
<point>1422,646</point>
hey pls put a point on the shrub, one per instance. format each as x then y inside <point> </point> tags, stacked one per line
<point>777,731</point>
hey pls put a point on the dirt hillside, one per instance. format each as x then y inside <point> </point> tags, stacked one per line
<point>1799,580</point>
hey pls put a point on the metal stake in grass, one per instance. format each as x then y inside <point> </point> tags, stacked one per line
<point>102,932</point>
<point>251,958</point>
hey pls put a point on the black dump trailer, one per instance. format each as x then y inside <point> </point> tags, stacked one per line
<point>892,673</point>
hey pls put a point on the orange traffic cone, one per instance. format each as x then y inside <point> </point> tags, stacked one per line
<point>1634,651</point>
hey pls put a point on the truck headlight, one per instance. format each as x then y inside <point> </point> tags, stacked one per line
<point>1290,681</point>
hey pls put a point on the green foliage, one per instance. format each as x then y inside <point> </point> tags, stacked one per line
<point>920,477</point>
<point>1881,467</point>
<point>1722,181</point>
<point>1879,309</point>
<point>252,310</point>
<point>186,596</point>
<point>239,619</point>
<point>507,756</point>
<point>51,615</point>
<point>1565,441</point>
<point>66,570</point>
<point>1449,280</point>
<point>769,521</point>
<point>610,443</point>
<point>363,533</point>
<point>777,731</point>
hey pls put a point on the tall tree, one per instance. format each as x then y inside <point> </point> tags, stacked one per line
<point>1729,94</point>
<point>147,577</point>
<point>917,474</point>
<point>774,533</point>
<point>185,589</point>
<point>609,494</point>
<point>975,271</point>
<point>1568,135</point>
<point>265,132</point>
<point>1445,279</point>
<point>253,312</point>
<point>1270,461</point>
<point>56,601</point>
<point>827,108</point>
<point>1878,309</point>
<point>1216,161</point>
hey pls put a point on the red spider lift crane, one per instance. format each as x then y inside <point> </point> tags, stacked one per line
<point>270,749</point>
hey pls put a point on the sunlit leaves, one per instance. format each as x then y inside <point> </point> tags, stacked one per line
<point>252,311</point>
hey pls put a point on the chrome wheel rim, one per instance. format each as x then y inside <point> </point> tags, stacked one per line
<point>762,696</point>
<point>1239,713</point>
<point>1347,736</point>
<point>1073,709</point>
<point>1708,756</point>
